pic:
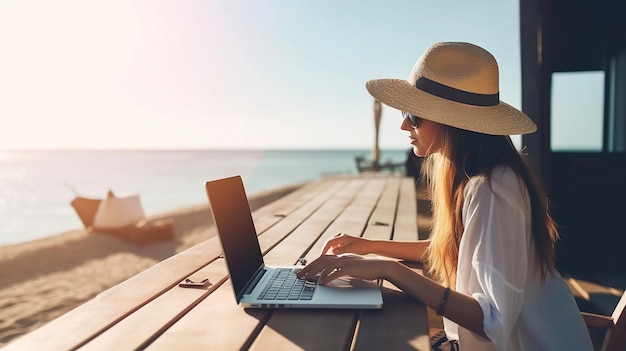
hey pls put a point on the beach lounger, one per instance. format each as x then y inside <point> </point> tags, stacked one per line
<point>121,217</point>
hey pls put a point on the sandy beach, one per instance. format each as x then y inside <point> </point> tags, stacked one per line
<point>46,278</point>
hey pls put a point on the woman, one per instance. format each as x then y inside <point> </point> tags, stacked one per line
<point>491,252</point>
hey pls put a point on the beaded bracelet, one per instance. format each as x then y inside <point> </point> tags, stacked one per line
<point>444,300</point>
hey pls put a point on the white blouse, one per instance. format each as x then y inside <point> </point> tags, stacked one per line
<point>498,267</point>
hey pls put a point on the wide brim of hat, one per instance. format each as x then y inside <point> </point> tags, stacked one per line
<point>501,119</point>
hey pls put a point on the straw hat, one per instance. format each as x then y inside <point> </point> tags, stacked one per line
<point>454,84</point>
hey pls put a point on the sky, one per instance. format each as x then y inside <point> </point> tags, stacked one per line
<point>236,74</point>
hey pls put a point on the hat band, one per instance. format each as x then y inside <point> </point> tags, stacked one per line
<point>457,95</point>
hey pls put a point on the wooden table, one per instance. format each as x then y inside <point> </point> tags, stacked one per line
<point>150,311</point>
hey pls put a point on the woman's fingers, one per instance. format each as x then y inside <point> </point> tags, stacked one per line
<point>343,243</point>
<point>312,268</point>
<point>333,243</point>
<point>322,265</point>
<point>330,267</point>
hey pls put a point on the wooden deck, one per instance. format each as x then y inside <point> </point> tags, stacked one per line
<point>150,311</point>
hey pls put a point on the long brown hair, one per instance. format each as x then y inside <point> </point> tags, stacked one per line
<point>465,154</point>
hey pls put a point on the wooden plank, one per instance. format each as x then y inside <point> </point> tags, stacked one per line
<point>381,223</point>
<point>216,323</point>
<point>354,219</point>
<point>310,330</point>
<point>401,325</point>
<point>298,243</point>
<point>159,314</point>
<point>283,228</point>
<point>273,212</point>
<point>405,228</point>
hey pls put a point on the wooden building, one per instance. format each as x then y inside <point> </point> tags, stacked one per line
<point>587,188</point>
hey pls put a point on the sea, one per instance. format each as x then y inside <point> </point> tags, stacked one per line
<point>36,187</point>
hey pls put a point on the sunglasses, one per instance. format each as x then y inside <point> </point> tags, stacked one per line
<point>414,121</point>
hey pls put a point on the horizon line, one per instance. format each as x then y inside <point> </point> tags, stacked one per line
<point>203,149</point>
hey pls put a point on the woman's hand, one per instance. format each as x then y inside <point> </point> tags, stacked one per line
<point>331,267</point>
<point>403,250</point>
<point>461,308</point>
<point>343,243</point>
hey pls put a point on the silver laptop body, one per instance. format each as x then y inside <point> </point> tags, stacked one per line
<point>252,280</point>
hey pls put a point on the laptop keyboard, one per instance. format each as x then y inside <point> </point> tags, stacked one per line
<point>285,285</point>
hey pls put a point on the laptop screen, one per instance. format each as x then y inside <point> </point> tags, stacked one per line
<point>231,212</point>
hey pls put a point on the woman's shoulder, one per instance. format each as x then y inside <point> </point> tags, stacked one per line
<point>500,179</point>
<point>503,186</point>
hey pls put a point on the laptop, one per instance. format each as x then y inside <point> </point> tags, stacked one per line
<point>257,285</point>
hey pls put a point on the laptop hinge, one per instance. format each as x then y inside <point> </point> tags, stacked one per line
<point>252,284</point>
